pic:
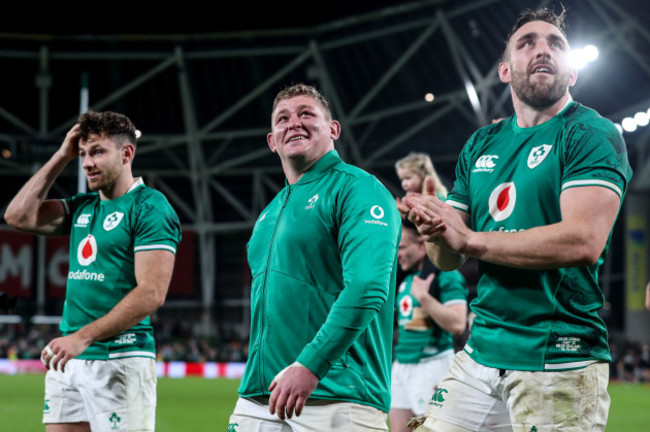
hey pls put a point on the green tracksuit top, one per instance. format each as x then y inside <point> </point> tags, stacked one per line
<point>323,257</point>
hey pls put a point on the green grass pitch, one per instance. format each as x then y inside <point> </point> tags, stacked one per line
<point>204,405</point>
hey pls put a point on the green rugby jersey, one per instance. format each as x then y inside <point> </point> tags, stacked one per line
<point>323,257</point>
<point>415,345</point>
<point>104,237</point>
<point>510,179</point>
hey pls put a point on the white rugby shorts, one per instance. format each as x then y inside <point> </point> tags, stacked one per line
<point>413,384</point>
<point>473,397</point>
<point>252,416</point>
<point>112,395</point>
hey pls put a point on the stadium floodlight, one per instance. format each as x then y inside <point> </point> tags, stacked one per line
<point>629,124</point>
<point>590,53</point>
<point>641,119</point>
<point>580,57</point>
<point>429,97</point>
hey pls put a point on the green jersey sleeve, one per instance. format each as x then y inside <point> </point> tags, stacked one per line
<point>459,196</point>
<point>453,287</point>
<point>70,205</point>
<point>156,226</point>
<point>595,156</point>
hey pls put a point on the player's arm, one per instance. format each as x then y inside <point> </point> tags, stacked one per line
<point>588,214</point>
<point>450,317</point>
<point>153,271</point>
<point>647,296</point>
<point>441,256</point>
<point>29,210</point>
<point>431,217</point>
<point>428,213</point>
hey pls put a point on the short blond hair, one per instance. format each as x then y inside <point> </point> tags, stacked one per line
<point>303,90</point>
<point>420,164</point>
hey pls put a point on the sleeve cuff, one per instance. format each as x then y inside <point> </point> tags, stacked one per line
<point>312,360</point>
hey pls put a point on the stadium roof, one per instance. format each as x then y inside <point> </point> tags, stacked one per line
<point>199,84</point>
<point>202,97</point>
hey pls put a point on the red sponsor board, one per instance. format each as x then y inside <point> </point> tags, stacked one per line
<point>182,283</point>
<point>57,263</point>
<point>181,369</point>
<point>163,369</point>
<point>17,273</point>
<point>19,258</point>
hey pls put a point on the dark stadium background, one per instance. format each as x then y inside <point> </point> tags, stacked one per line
<point>198,80</point>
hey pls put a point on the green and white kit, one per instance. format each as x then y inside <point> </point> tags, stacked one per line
<point>104,237</point>
<point>510,179</point>
<point>412,345</point>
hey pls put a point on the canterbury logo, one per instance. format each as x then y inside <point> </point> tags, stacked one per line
<point>83,220</point>
<point>438,396</point>
<point>486,163</point>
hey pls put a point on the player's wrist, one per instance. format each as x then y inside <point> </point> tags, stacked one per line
<point>84,336</point>
<point>473,245</point>
<point>62,157</point>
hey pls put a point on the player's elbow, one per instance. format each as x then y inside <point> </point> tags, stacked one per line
<point>15,219</point>
<point>159,300</point>
<point>156,299</point>
<point>587,260</point>
<point>21,220</point>
<point>586,255</point>
<point>447,266</point>
<point>448,261</point>
<point>458,328</point>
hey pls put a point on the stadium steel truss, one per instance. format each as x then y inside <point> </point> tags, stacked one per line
<point>203,101</point>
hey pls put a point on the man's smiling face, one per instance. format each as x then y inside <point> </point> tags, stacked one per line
<point>301,130</point>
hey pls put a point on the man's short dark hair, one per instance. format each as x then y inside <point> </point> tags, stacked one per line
<point>529,15</point>
<point>115,126</point>
<point>302,90</point>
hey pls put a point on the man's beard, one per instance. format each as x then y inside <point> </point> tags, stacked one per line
<point>539,95</point>
<point>108,178</point>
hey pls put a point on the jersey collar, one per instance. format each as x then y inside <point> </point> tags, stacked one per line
<point>322,166</point>
<point>138,182</point>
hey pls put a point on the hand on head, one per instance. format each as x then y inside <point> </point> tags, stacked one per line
<point>70,146</point>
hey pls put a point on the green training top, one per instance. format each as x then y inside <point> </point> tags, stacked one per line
<point>323,257</point>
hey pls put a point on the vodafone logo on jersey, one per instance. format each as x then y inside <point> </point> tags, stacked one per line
<point>406,305</point>
<point>502,201</point>
<point>377,214</point>
<point>87,250</point>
